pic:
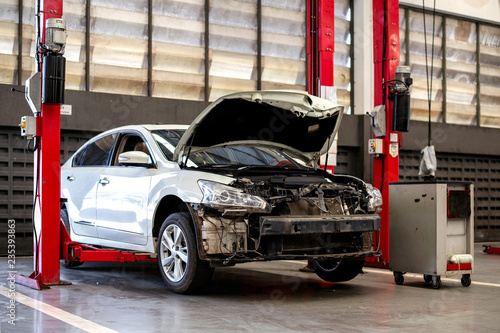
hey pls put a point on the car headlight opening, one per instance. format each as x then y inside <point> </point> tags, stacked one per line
<point>220,196</point>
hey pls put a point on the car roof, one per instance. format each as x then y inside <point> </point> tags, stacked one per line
<point>149,127</point>
<point>152,127</point>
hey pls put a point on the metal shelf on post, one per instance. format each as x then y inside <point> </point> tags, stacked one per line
<point>431,228</point>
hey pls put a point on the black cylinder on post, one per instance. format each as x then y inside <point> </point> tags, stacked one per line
<point>401,116</point>
<point>54,73</point>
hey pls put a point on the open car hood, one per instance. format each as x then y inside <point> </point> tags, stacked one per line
<point>291,121</point>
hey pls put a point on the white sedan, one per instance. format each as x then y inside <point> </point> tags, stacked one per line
<point>240,184</point>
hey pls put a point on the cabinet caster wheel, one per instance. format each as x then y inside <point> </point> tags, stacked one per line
<point>466,280</point>
<point>399,278</point>
<point>427,278</point>
<point>436,281</point>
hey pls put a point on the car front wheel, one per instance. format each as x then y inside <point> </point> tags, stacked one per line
<point>338,270</point>
<point>180,267</point>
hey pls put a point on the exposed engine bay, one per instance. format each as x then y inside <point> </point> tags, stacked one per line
<point>308,215</point>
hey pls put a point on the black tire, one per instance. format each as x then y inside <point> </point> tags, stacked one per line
<point>338,270</point>
<point>399,278</point>
<point>65,221</point>
<point>180,267</point>
<point>466,280</point>
<point>427,278</point>
<point>436,281</point>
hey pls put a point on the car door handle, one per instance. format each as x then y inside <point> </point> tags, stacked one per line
<point>104,181</point>
<point>70,178</point>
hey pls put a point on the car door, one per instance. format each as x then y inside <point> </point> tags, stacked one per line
<point>123,195</point>
<point>80,182</point>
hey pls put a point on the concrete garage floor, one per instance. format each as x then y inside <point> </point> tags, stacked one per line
<point>255,297</point>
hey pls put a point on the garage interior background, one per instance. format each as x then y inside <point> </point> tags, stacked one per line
<point>132,62</point>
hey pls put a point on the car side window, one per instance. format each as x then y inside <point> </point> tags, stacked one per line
<point>130,142</point>
<point>97,153</point>
<point>167,141</point>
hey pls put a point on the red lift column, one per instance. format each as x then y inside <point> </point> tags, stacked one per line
<point>47,207</point>
<point>320,47</point>
<point>320,44</point>
<point>386,59</point>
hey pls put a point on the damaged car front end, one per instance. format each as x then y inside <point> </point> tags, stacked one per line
<point>309,215</point>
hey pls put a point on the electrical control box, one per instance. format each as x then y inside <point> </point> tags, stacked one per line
<point>28,126</point>
<point>375,146</point>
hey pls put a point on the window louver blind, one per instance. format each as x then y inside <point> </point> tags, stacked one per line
<point>8,41</point>
<point>233,46</point>
<point>461,72</point>
<point>341,56</point>
<point>74,14</point>
<point>178,49</point>
<point>283,45</point>
<point>118,46</point>
<point>489,77</point>
<point>417,61</point>
<point>460,89</point>
<point>29,42</point>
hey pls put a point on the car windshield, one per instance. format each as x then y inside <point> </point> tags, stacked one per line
<point>224,157</point>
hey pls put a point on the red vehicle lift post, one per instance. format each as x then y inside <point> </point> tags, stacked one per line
<point>47,196</point>
<point>320,51</point>
<point>320,47</point>
<point>386,59</point>
<point>52,241</point>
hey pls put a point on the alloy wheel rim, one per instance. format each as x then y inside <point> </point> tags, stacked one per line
<point>174,253</point>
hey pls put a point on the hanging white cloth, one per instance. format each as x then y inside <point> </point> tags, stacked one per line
<point>428,164</point>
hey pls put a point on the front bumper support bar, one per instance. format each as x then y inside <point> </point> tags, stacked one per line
<point>322,224</point>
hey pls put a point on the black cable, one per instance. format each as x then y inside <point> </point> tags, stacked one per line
<point>429,85</point>
<point>432,61</point>
<point>398,81</point>
<point>384,50</point>
<point>36,146</point>
<point>38,37</point>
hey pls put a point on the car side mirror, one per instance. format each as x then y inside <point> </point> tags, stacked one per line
<point>135,158</point>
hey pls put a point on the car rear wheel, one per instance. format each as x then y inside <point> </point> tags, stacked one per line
<point>180,267</point>
<point>338,270</point>
<point>65,221</point>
